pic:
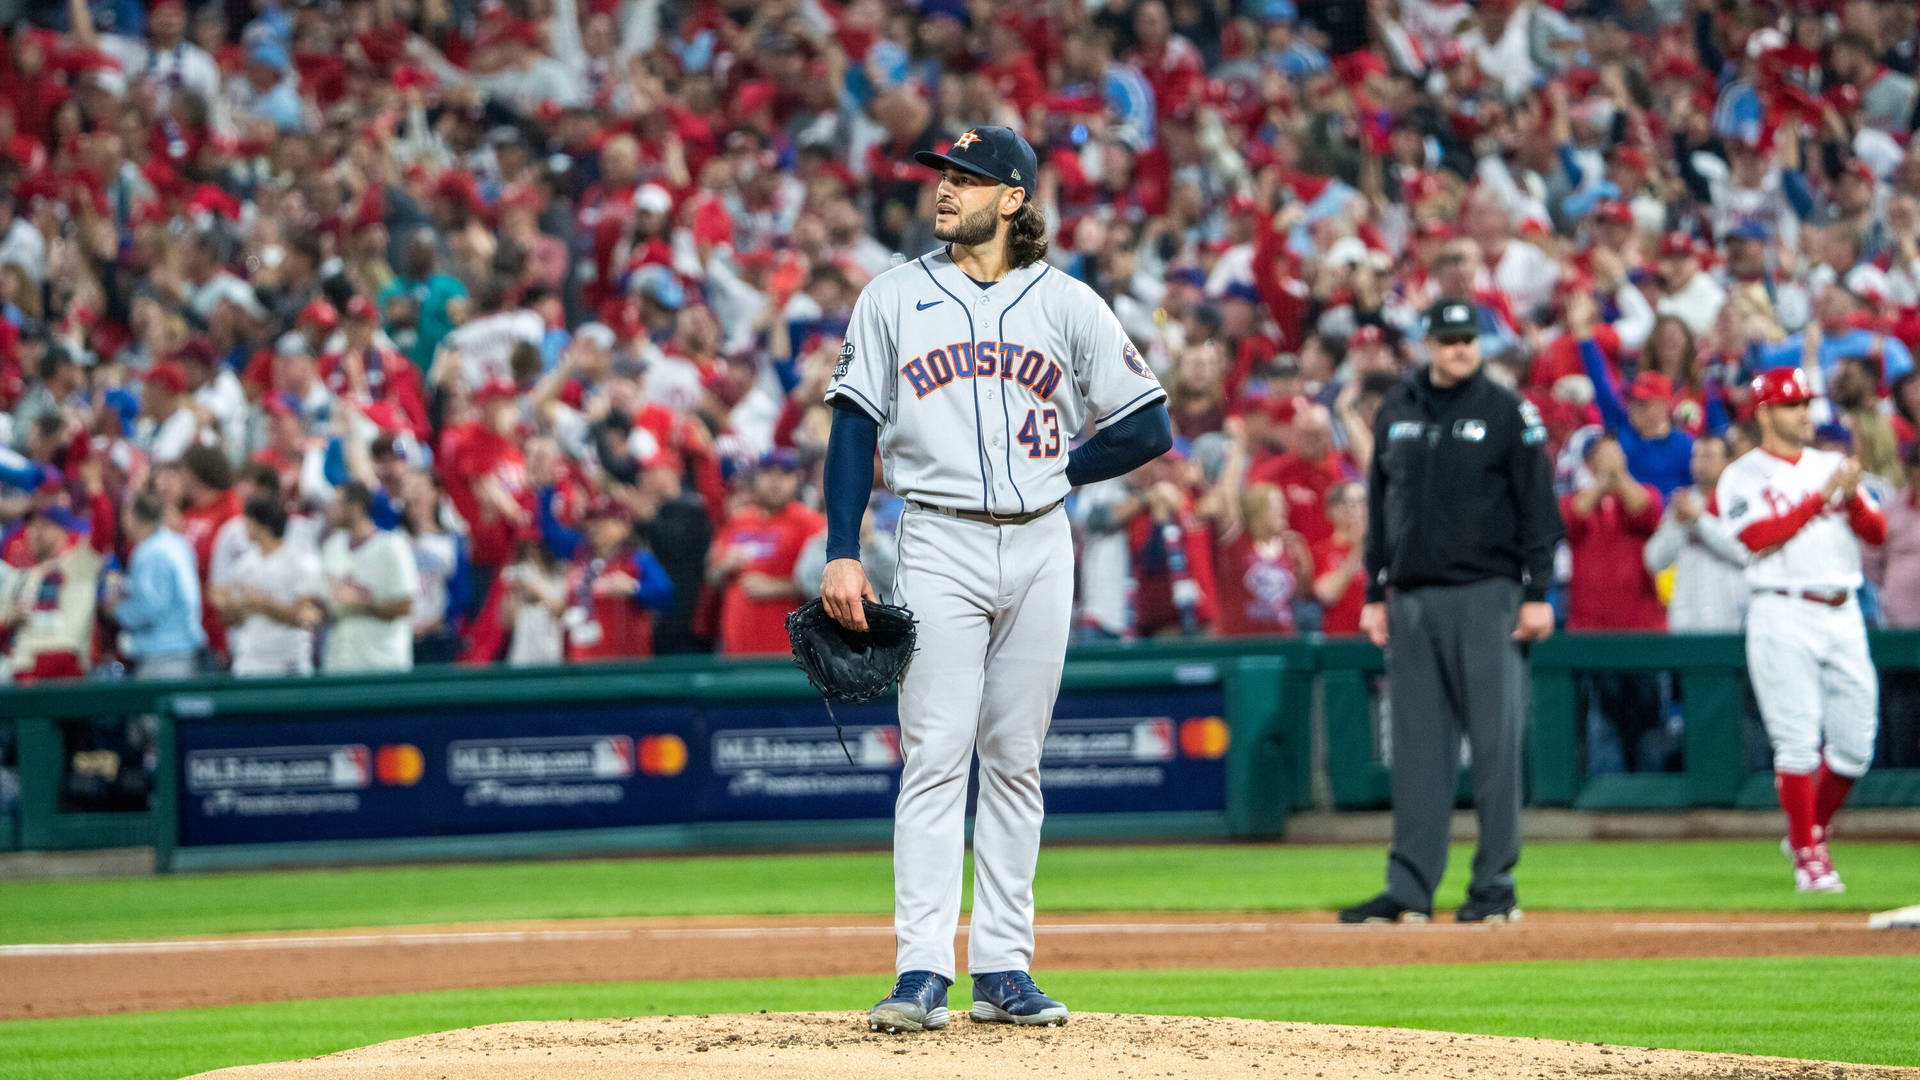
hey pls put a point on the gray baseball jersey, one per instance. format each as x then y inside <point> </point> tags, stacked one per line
<point>979,392</point>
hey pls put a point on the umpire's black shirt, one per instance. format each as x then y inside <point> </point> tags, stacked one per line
<point>1460,489</point>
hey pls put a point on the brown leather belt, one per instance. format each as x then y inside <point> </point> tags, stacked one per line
<point>990,518</point>
<point>1832,599</point>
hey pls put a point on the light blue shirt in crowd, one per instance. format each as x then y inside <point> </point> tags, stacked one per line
<point>161,613</point>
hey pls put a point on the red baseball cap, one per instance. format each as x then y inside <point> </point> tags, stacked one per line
<point>497,390</point>
<point>1781,386</point>
<point>1366,335</point>
<point>606,506</point>
<point>1613,210</point>
<point>321,314</point>
<point>1630,156</point>
<point>166,375</point>
<point>1676,245</point>
<point>1650,386</point>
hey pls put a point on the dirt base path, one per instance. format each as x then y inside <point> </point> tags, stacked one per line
<point>806,1046</point>
<point>38,981</point>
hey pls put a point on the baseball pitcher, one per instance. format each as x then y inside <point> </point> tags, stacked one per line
<point>972,368</point>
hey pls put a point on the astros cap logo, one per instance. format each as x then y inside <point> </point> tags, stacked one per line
<point>965,141</point>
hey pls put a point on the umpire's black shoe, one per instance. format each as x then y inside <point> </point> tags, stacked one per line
<point>1385,909</point>
<point>1489,906</point>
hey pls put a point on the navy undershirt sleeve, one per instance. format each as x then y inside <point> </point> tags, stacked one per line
<point>849,478</point>
<point>1122,446</point>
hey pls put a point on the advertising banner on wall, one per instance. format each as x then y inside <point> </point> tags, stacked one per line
<point>371,775</point>
<point>520,768</point>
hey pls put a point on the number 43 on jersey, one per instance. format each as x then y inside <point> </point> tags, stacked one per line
<point>1041,444</point>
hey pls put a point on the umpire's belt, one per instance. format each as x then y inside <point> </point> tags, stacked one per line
<point>1831,599</point>
<point>988,516</point>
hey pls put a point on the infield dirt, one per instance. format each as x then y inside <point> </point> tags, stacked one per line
<point>837,1046</point>
<point>116,977</point>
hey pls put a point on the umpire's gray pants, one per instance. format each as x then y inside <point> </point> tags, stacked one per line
<point>1452,668</point>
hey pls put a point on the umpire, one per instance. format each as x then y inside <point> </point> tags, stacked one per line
<point>1458,563</point>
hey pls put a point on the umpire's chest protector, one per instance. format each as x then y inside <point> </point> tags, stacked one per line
<point>979,393</point>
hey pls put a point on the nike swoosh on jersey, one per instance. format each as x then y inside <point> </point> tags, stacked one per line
<point>925,304</point>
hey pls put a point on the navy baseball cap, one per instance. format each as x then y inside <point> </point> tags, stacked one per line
<point>1452,320</point>
<point>996,153</point>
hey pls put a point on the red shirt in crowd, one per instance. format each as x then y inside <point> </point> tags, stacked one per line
<point>620,626</point>
<point>1343,615</point>
<point>1305,484</point>
<point>390,377</point>
<point>470,453</point>
<point>1257,583</point>
<point>200,525</point>
<point>773,542</point>
<point>1153,603</point>
<point>1611,589</point>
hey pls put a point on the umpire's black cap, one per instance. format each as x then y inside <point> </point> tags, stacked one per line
<point>996,153</point>
<point>1452,320</point>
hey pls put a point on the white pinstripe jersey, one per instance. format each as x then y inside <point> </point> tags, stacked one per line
<point>1825,554</point>
<point>979,392</point>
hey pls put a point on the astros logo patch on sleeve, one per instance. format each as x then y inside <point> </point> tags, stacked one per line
<point>1134,363</point>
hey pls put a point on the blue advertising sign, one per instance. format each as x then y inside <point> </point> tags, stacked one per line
<point>248,779</point>
<point>261,780</point>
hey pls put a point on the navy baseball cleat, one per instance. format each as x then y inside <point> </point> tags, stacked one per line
<point>1009,997</point>
<point>1489,906</point>
<point>918,1003</point>
<point>1384,909</point>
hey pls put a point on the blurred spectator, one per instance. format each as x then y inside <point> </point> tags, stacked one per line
<point>613,587</point>
<point>208,502</point>
<point>532,606</point>
<point>1657,453</point>
<point>1894,569</point>
<point>1263,566</point>
<point>1339,567</point>
<point>274,597</point>
<point>1709,562</point>
<point>1171,547</point>
<point>49,608</point>
<point>1306,472</point>
<point>440,557</point>
<point>1609,521</point>
<point>158,603</point>
<point>752,559</point>
<point>167,425</point>
<point>372,585</point>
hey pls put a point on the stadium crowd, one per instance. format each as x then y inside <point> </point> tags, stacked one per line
<point>351,334</point>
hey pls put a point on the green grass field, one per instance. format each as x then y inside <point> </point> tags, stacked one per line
<point>1743,1006</point>
<point>1744,875</point>
<point>1862,1008</point>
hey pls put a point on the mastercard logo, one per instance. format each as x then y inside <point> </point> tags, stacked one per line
<point>661,755</point>
<point>399,765</point>
<point>1204,737</point>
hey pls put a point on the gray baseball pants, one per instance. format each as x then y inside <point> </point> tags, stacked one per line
<point>1453,668</point>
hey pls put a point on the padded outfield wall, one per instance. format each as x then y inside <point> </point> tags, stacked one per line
<point>1159,740</point>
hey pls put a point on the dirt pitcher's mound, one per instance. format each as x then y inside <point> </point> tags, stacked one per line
<point>837,1046</point>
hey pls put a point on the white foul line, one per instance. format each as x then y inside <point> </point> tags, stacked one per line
<point>508,937</point>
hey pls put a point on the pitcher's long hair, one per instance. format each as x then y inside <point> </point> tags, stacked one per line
<point>1026,236</point>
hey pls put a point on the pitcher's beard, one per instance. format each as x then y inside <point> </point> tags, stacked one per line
<point>971,229</point>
